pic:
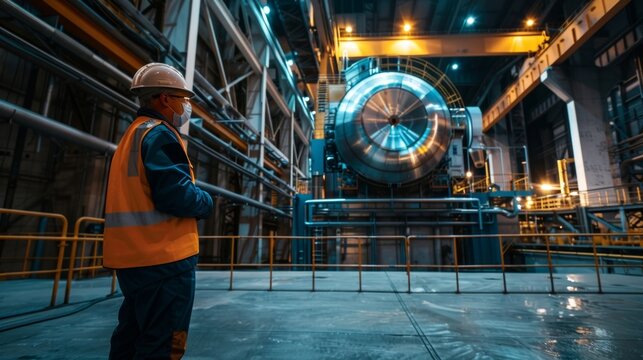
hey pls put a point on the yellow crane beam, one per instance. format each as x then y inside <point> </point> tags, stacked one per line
<point>490,44</point>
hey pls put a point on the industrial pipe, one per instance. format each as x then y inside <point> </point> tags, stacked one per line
<point>12,112</point>
<point>62,39</point>
<point>225,160</point>
<point>309,214</point>
<point>206,134</point>
<point>83,52</point>
<point>386,223</point>
<point>55,65</point>
<point>54,128</point>
<point>239,198</point>
<point>64,69</point>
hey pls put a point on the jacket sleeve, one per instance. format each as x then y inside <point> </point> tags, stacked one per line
<point>168,174</point>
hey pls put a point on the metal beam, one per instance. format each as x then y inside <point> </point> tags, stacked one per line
<point>577,31</point>
<point>120,53</point>
<point>606,223</point>
<point>101,38</point>
<point>230,25</point>
<point>461,45</point>
<point>566,224</point>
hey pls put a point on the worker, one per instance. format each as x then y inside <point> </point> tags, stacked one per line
<point>151,215</point>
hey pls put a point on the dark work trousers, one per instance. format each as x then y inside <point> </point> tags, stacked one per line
<point>155,315</point>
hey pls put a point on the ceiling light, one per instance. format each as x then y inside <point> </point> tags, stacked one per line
<point>407,27</point>
<point>455,66</point>
<point>530,22</point>
<point>470,20</point>
<point>266,9</point>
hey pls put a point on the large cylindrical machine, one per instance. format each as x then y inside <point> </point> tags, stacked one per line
<point>393,127</point>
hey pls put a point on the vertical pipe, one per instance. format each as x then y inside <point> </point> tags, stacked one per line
<point>272,244</point>
<point>549,263</point>
<point>262,142</point>
<point>59,264</point>
<point>359,262</point>
<point>72,260</point>
<point>312,250</point>
<point>407,243</point>
<point>528,186</point>
<point>598,273</point>
<point>193,29</point>
<point>455,263</point>
<point>502,263</point>
<point>231,260</point>
<point>292,149</point>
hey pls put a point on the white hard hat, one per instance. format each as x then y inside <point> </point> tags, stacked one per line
<point>155,78</point>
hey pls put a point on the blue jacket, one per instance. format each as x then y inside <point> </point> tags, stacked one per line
<point>168,173</point>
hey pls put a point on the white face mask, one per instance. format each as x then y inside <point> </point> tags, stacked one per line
<point>179,120</point>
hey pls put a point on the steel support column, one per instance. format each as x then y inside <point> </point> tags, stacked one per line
<point>589,143</point>
<point>251,221</point>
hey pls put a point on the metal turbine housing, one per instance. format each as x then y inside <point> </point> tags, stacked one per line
<point>392,128</point>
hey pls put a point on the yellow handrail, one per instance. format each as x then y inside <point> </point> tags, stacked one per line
<point>506,242</point>
<point>61,251</point>
<point>72,255</point>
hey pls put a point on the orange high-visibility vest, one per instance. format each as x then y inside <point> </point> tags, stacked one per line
<point>136,234</point>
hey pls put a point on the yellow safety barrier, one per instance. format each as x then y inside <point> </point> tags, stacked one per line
<point>507,242</point>
<point>72,255</point>
<point>62,240</point>
<point>613,196</point>
<point>595,245</point>
<point>61,246</point>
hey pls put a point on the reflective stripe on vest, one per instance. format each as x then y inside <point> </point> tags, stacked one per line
<point>135,218</point>
<point>136,234</point>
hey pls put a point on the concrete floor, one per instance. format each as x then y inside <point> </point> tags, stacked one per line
<point>337,322</point>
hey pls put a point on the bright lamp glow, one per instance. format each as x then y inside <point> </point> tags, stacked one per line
<point>266,9</point>
<point>407,27</point>
<point>470,20</point>
<point>306,98</point>
<point>455,66</point>
<point>289,62</point>
<point>547,187</point>
<point>530,22</point>
<point>349,29</point>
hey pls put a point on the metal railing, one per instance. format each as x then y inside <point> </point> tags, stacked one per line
<point>613,196</point>
<point>595,245</point>
<point>62,239</point>
<point>475,184</point>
